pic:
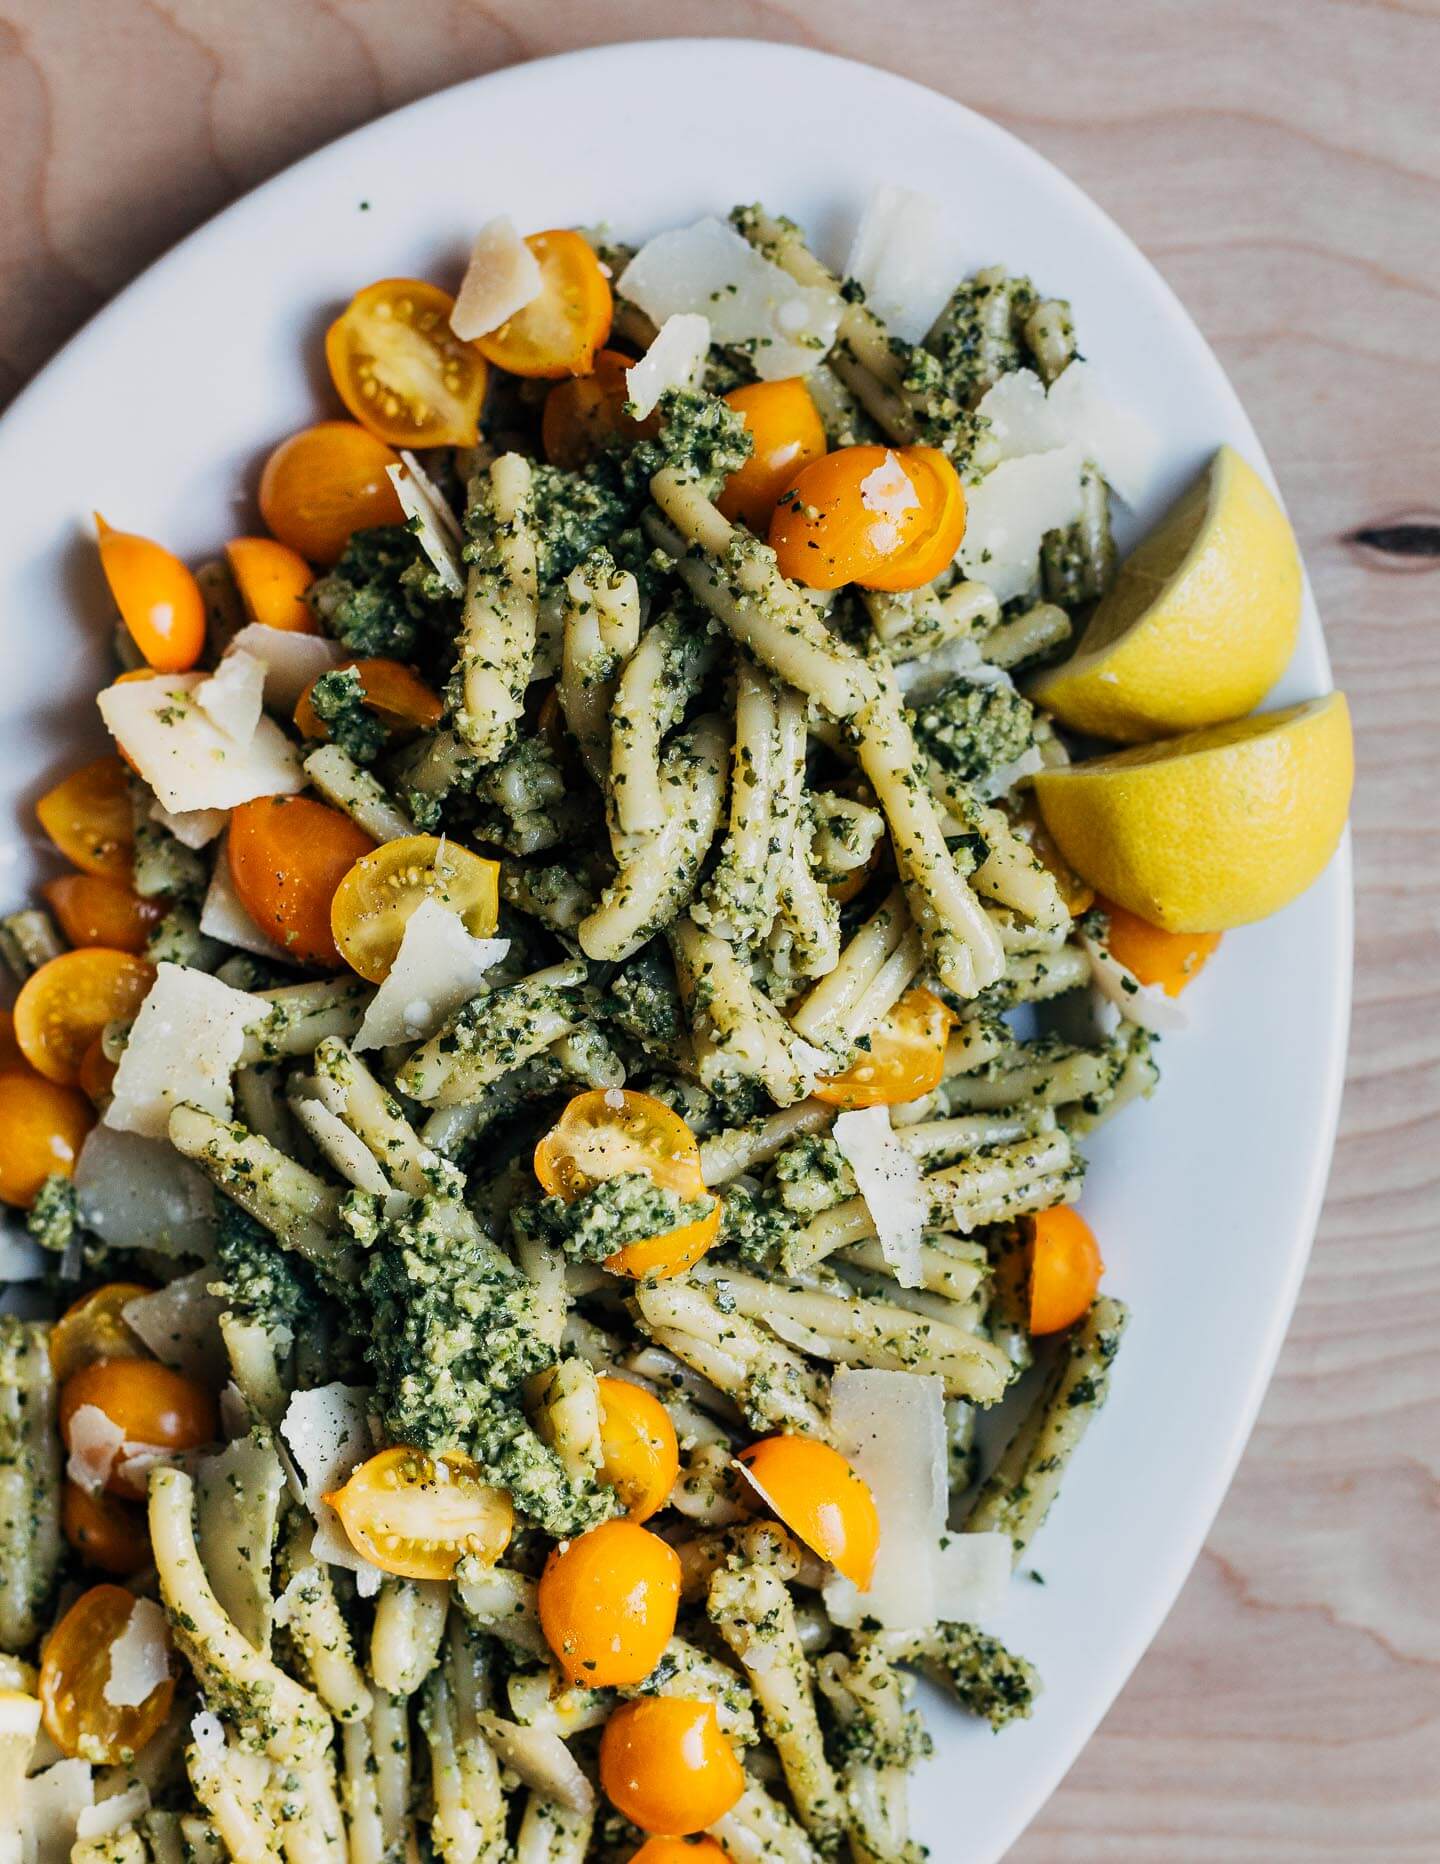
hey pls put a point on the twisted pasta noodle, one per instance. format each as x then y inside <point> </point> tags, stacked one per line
<point>1077,562</point>
<point>737,1032</point>
<point>662,673</point>
<point>346,784</point>
<point>500,619</point>
<point>407,1632</point>
<point>737,901</point>
<point>883,1740</point>
<point>601,627</point>
<point>1030,636</point>
<point>758,1830</point>
<point>805,942</point>
<point>551,1833</point>
<point>918,622</point>
<point>495,1033</point>
<point>234,1788</point>
<point>1050,334</point>
<point>301,1209</point>
<point>29,1479</point>
<point>872,973</point>
<point>725,1155</point>
<point>772,1384</point>
<point>302,1015</point>
<point>318,1629</point>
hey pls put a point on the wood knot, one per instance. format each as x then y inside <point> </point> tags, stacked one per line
<point>1406,543</point>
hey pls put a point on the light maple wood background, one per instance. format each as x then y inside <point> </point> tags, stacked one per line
<point>1280,162</point>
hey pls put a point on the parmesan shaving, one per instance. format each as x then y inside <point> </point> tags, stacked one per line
<point>99,1821</point>
<point>223,916</point>
<point>138,1193</point>
<point>1020,415</point>
<point>891,1184</point>
<point>50,1807</point>
<point>1122,443</point>
<point>1009,512</point>
<point>94,1445</point>
<point>328,1432</point>
<point>973,1577</point>
<point>906,258</point>
<point>231,698</point>
<point>437,530</point>
<point>184,1046</point>
<point>291,660</point>
<point>891,1427</point>
<point>438,967</point>
<point>139,1657</point>
<point>180,1323</point>
<point>350,1156</point>
<point>674,360</point>
<point>1005,776</point>
<point>185,757</point>
<point>194,828</point>
<point>503,276</point>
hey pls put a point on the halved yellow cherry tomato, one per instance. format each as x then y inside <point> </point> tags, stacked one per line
<point>884,517</point>
<point>787,432</point>
<point>585,412</point>
<point>397,696</point>
<point>418,1515</point>
<point>610,1131</point>
<point>89,819</point>
<point>153,1404</point>
<point>655,1258</point>
<point>401,370</point>
<point>82,1723</point>
<point>158,599</point>
<point>639,1454</point>
<point>906,1057</point>
<point>325,483</point>
<point>374,900</point>
<point>661,1850</point>
<point>559,332</point>
<point>818,1496</point>
<point>97,1073</point>
<point>64,1005</point>
<point>607,1603</point>
<point>1171,959</point>
<point>667,1767</point>
<point>92,911</point>
<point>287,857</point>
<point>93,1328</point>
<point>42,1128</point>
<point>10,1056</point>
<point>107,1533</point>
<point>272,580</point>
<point>1065,1269</point>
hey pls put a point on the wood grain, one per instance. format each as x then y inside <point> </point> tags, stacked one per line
<point>1281,164</point>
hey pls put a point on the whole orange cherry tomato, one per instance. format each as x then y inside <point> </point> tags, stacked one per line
<point>66,1004</point>
<point>89,819</point>
<point>397,696</point>
<point>80,1719</point>
<point>558,332</point>
<point>108,1534</point>
<point>906,1057</point>
<point>272,580</point>
<point>818,1496</point>
<point>787,432</point>
<point>665,1764</point>
<point>287,856</point>
<point>661,1850</point>
<point>93,911</point>
<point>401,371</point>
<point>153,1404</point>
<point>158,599</point>
<point>639,1453</point>
<point>607,1603</point>
<point>418,1515</point>
<point>325,483</point>
<point>94,1328</point>
<point>42,1128</point>
<point>1065,1269</point>
<point>883,517</point>
<point>584,412</point>
<point>1171,959</point>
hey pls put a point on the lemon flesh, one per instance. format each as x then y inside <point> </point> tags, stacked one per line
<point>1215,828</point>
<point>1200,620</point>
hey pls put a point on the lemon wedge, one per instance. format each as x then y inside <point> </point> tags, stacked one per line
<point>1199,622</point>
<point>1212,829</point>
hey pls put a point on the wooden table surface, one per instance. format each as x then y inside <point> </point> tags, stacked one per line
<point>1281,164</point>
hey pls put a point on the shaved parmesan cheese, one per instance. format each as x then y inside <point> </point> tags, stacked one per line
<point>184,1046</point>
<point>752,304</point>
<point>223,916</point>
<point>207,1731</point>
<point>907,259</point>
<point>891,1184</point>
<point>503,276</point>
<point>50,1806</point>
<point>889,492</point>
<point>438,967</point>
<point>1005,776</point>
<point>94,1445</point>
<point>920,679</point>
<point>291,660</point>
<point>1010,511</point>
<point>22,1260</point>
<point>973,1577</point>
<point>1145,1004</point>
<point>437,529</point>
<point>1122,443</point>
<point>1021,416</point>
<point>350,1156</point>
<point>195,828</point>
<point>138,1193</point>
<point>139,1657</point>
<point>891,1426</point>
<point>185,757</point>
<point>110,1814</point>
<point>231,697</point>
<point>242,1482</point>
<point>180,1323</point>
<point>328,1431</point>
<point>674,360</point>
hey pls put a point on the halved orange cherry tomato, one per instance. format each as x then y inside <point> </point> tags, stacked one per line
<point>639,1454</point>
<point>667,1767</point>
<point>787,432</point>
<point>906,1057</point>
<point>89,819</point>
<point>400,369</point>
<point>607,1603</point>
<point>158,599</point>
<point>884,517</point>
<point>1171,959</point>
<point>287,856</point>
<point>419,1515</point>
<point>153,1404</point>
<point>610,1131</point>
<point>73,1675</point>
<point>325,483</point>
<point>655,1258</point>
<point>94,1328</point>
<point>93,911</point>
<point>64,1005</point>
<point>10,1056</point>
<point>97,1073</point>
<point>818,1496</point>
<point>106,1533</point>
<point>375,898</point>
<point>42,1128</point>
<point>272,580</point>
<point>585,412</point>
<point>661,1850</point>
<point>1065,1269</point>
<point>397,696</point>
<point>559,332</point>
